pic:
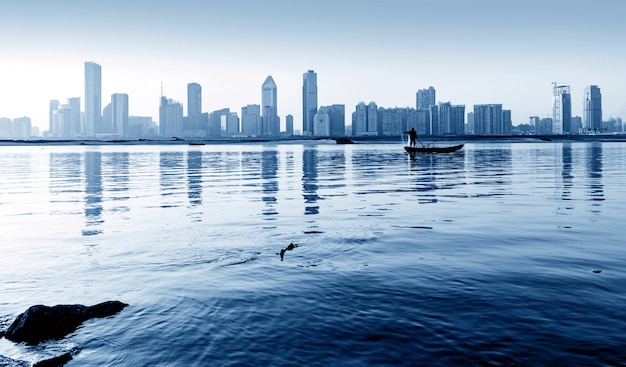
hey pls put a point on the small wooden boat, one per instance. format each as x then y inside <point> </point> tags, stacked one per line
<point>449,149</point>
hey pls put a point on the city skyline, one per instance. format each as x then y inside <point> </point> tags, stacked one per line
<point>506,55</point>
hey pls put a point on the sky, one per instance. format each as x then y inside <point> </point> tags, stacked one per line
<point>471,52</point>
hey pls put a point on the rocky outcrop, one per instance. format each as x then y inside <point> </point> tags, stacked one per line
<point>55,361</point>
<point>40,323</point>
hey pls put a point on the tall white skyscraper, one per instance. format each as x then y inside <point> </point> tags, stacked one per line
<point>592,110</point>
<point>93,98</point>
<point>269,94</point>
<point>309,101</point>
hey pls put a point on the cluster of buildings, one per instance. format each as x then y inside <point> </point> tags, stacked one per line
<point>428,118</point>
<point>255,121</point>
<point>431,118</point>
<point>563,123</point>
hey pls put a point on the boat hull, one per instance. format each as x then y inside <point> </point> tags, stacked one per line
<point>449,149</point>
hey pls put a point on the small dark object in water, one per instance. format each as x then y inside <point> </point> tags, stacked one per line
<point>597,271</point>
<point>40,322</point>
<point>58,361</point>
<point>290,247</point>
<point>344,141</point>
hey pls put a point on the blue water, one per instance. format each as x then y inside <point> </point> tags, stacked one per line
<point>502,254</point>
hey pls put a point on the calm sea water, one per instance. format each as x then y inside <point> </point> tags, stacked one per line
<point>501,254</point>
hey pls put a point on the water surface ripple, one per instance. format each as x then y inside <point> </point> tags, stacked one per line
<point>500,254</point>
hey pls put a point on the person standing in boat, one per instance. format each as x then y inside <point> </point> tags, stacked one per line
<point>412,137</point>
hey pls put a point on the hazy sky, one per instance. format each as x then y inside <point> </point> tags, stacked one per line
<point>472,52</point>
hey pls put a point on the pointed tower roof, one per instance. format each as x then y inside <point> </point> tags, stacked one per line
<point>269,82</point>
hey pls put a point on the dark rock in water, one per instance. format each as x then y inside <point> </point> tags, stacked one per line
<point>40,322</point>
<point>597,271</point>
<point>59,361</point>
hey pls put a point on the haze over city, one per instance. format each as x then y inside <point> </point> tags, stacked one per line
<point>472,53</point>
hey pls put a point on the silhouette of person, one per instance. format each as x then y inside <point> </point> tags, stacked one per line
<point>412,136</point>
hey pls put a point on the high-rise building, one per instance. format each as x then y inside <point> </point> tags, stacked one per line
<point>337,115</point>
<point>309,101</point>
<point>561,109</point>
<point>54,105</point>
<point>330,121</point>
<point>170,118</point>
<point>289,125</point>
<point>321,122</point>
<point>119,114</point>
<point>271,122</point>
<point>507,122</point>
<point>425,98</point>
<point>251,120</point>
<point>365,120</point>
<point>218,122</point>
<point>107,120</point>
<point>194,99</point>
<point>447,119</point>
<point>488,119</point>
<point>393,121</point>
<point>232,124</point>
<point>76,127</point>
<point>21,128</point>
<point>93,98</point>
<point>592,110</point>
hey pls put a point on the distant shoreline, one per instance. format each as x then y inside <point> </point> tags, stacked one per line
<point>301,139</point>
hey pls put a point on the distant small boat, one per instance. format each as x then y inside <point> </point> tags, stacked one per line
<point>344,141</point>
<point>196,143</point>
<point>449,149</point>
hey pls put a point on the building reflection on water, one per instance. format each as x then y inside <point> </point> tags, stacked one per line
<point>310,180</point>
<point>93,193</point>
<point>171,178</point>
<point>194,177</point>
<point>436,172</point>
<point>269,170</point>
<point>595,188</point>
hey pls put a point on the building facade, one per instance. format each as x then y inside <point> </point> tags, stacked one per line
<point>309,101</point>
<point>93,99</point>
<point>251,120</point>
<point>119,114</point>
<point>592,109</point>
<point>425,98</point>
<point>488,119</point>
<point>289,125</point>
<point>269,97</point>
<point>561,109</point>
<point>170,118</point>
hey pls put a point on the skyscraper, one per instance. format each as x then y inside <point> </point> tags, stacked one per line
<point>271,123</point>
<point>194,99</point>
<point>561,109</point>
<point>76,128</point>
<point>170,118</point>
<point>119,113</point>
<point>289,125</point>
<point>54,106</point>
<point>93,98</point>
<point>250,120</point>
<point>309,101</point>
<point>592,110</point>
